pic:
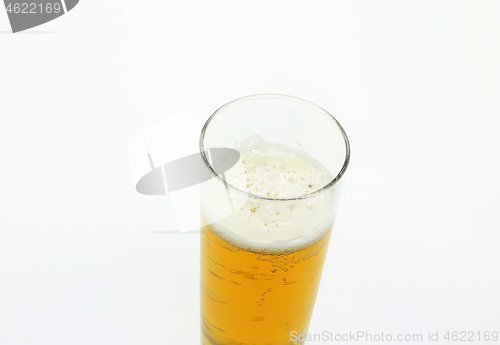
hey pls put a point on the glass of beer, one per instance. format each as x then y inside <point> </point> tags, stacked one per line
<point>266,222</point>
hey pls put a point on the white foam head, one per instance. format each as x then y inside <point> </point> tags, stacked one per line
<point>269,210</point>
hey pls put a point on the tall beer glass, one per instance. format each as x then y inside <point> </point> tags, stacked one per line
<point>266,222</point>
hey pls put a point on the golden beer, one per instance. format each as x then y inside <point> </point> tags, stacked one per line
<point>254,298</point>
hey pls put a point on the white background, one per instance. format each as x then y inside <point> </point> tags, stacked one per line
<point>416,86</point>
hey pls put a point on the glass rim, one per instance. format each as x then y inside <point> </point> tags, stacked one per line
<point>276,96</point>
